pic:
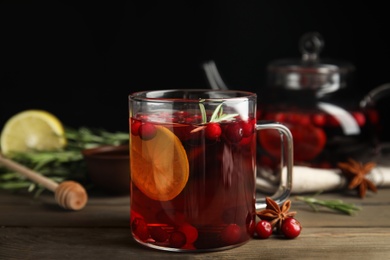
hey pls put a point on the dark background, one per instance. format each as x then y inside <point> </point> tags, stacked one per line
<point>80,61</point>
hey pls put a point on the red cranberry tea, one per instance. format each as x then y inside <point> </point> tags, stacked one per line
<point>202,202</point>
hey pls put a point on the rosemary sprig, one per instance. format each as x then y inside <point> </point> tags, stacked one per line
<point>84,137</point>
<point>217,115</point>
<point>337,204</point>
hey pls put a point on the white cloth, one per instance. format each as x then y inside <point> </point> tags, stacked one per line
<point>309,180</point>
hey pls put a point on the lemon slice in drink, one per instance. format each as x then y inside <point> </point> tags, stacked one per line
<point>32,130</point>
<point>159,167</point>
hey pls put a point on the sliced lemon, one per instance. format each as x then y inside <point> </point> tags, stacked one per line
<point>159,167</point>
<point>32,130</point>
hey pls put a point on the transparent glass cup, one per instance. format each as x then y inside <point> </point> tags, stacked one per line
<point>193,168</point>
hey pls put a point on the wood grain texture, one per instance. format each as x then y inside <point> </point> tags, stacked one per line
<point>39,229</point>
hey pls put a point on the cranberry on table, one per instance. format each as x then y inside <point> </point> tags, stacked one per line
<point>291,228</point>
<point>264,229</point>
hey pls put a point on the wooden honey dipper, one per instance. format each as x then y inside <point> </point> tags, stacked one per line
<point>68,194</point>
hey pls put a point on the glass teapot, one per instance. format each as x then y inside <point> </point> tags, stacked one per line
<point>315,98</point>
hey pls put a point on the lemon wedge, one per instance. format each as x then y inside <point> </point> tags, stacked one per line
<point>32,130</point>
<point>159,166</point>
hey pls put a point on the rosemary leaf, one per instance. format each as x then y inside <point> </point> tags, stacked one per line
<point>336,205</point>
<point>217,112</point>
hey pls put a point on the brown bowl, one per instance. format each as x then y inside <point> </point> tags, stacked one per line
<point>108,167</point>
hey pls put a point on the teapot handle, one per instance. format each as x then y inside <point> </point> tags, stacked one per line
<point>375,94</point>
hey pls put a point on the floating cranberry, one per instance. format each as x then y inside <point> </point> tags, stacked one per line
<point>231,234</point>
<point>147,131</point>
<point>135,124</point>
<point>140,229</point>
<point>248,128</point>
<point>234,133</point>
<point>264,229</point>
<point>213,131</point>
<point>177,239</point>
<point>159,234</point>
<point>190,232</point>
<point>291,228</point>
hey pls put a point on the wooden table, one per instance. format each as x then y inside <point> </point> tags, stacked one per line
<point>39,229</point>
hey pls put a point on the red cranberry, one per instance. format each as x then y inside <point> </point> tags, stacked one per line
<point>231,234</point>
<point>304,119</point>
<point>147,131</point>
<point>234,133</point>
<point>190,232</point>
<point>213,131</point>
<point>291,228</point>
<point>140,229</point>
<point>159,234</point>
<point>264,229</point>
<point>248,128</point>
<point>318,119</point>
<point>360,118</point>
<point>280,117</point>
<point>177,239</point>
<point>135,127</point>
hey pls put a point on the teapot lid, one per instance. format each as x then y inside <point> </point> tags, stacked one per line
<point>310,72</point>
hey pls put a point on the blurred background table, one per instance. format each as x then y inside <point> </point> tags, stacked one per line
<point>37,228</point>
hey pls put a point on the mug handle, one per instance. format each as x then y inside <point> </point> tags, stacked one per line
<point>284,190</point>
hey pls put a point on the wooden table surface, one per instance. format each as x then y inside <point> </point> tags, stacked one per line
<point>37,228</point>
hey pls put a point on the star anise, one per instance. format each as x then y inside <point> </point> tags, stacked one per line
<point>356,173</point>
<point>275,214</point>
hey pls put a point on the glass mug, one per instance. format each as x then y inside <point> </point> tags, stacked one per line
<point>193,168</point>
